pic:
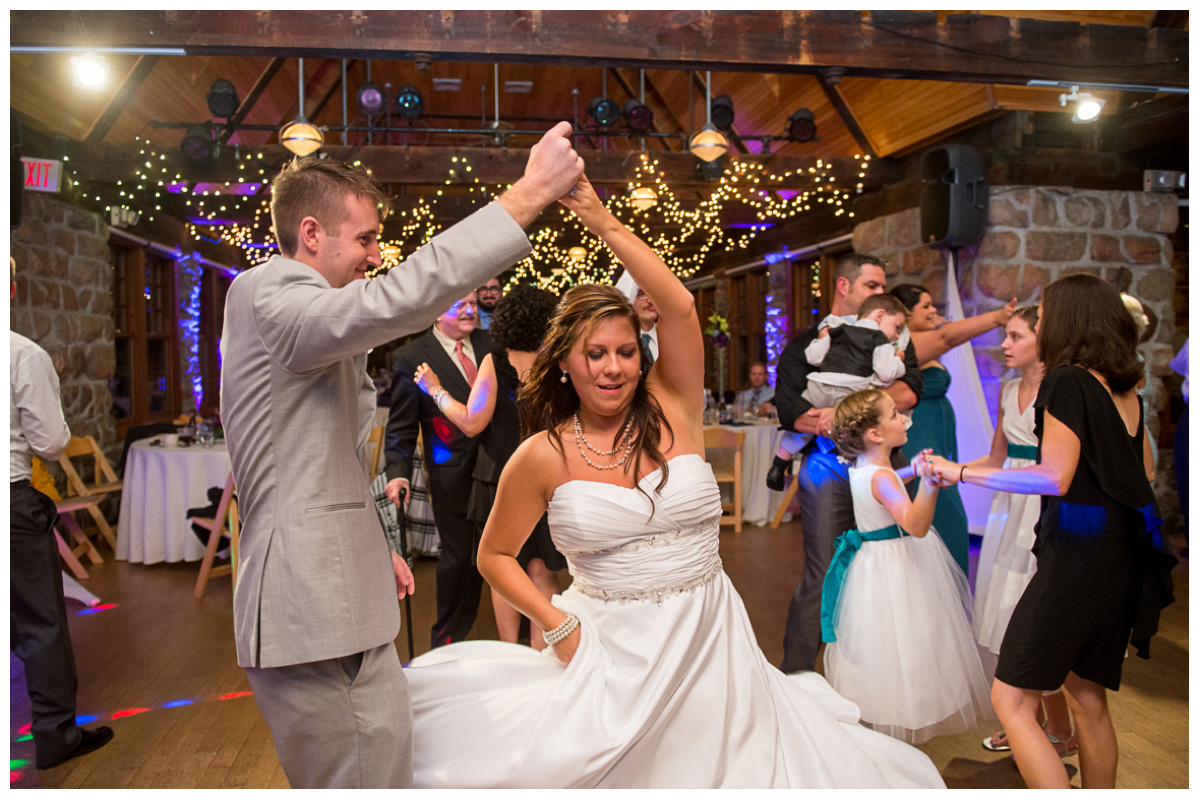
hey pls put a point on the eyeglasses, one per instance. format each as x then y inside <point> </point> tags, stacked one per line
<point>488,290</point>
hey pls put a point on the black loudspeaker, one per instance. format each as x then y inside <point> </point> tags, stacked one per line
<point>16,173</point>
<point>954,202</point>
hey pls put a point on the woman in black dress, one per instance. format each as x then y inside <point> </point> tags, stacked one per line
<point>518,326</point>
<point>1102,569</point>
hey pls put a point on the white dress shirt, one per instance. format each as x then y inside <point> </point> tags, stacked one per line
<point>653,348</point>
<point>36,422</point>
<point>451,348</point>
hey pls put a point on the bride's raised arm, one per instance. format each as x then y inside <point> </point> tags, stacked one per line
<point>679,369</point>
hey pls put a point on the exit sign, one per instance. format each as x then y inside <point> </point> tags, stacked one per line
<point>42,174</point>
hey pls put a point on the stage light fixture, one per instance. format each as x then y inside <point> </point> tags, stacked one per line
<point>199,142</point>
<point>638,116</point>
<point>1087,106</point>
<point>371,100</point>
<point>91,71</point>
<point>222,99</point>
<point>802,126</point>
<point>721,112</point>
<point>604,111</point>
<point>408,102</point>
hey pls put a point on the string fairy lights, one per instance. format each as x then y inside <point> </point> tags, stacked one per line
<point>686,236</point>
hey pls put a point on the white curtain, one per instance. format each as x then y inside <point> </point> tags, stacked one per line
<point>975,429</point>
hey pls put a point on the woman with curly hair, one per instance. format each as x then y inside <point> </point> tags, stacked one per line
<point>1103,571</point>
<point>652,677</point>
<point>518,327</point>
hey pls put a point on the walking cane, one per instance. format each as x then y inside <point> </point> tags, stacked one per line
<point>404,554</point>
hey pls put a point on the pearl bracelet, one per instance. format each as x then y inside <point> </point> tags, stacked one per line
<point>437,396</point>
<point>564,630</point>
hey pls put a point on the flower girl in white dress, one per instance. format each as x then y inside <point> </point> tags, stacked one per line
<point>895,605</point>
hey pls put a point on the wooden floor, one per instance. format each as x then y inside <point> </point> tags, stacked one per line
<point>160,669</point>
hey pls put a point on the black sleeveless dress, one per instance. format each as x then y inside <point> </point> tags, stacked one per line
<point>1103,570</point>
<point>497,443</point>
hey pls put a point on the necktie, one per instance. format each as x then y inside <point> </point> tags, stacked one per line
<point>649,352</point>
<point>467,363</point>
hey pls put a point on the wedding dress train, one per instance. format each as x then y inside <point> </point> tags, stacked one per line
<point>668,687</point>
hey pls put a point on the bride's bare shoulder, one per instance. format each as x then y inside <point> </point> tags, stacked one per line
<point>538,459</point>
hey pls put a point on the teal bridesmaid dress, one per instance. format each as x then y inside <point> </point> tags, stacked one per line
<point>933,426</point>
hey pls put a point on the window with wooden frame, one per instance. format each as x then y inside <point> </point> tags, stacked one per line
<point>706,304</point>
<point>747,325</point>
<point>145,385</point>
<point>214,286</point>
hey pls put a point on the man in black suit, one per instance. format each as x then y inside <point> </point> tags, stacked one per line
<point>453,349</point>
<point>826,509</point>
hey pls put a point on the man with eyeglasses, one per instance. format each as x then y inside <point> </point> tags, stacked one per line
<point>489,294</point>
<point>452,348</point>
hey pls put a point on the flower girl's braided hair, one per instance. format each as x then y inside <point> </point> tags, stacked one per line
<point>853,416</point>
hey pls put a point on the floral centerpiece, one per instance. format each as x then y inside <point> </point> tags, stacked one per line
<point>718,332</point>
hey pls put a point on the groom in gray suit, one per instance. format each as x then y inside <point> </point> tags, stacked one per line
<point>315,611</point>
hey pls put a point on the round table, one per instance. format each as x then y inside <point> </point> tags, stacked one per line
<point>161,484</point>
<point>759,503</point>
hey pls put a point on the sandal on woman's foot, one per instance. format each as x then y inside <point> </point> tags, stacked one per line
<point>1065,747</point>
<point>997,742</point>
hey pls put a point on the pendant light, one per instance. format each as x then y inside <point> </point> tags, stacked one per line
<point>709,144</point>
<point>301,136</point>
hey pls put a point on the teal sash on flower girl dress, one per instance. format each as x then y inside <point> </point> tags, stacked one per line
<point>844,551</point>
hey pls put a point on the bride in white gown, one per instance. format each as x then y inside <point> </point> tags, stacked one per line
<point>655,679</point>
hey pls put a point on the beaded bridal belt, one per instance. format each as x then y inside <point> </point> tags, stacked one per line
<point>655,593</point>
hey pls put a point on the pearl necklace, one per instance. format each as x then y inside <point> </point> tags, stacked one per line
<point>581,440</point>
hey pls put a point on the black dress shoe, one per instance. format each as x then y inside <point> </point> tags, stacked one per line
<point>777,474</point>
<point>88,741</point>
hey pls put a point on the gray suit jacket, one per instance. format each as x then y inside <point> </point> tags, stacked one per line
<point>315,579</point>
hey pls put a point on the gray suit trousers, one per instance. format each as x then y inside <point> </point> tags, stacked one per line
<point>343,723</point>
<point>826,511</point>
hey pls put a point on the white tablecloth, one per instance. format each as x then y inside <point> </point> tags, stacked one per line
<point>759,503</point>
<point>161,484</point>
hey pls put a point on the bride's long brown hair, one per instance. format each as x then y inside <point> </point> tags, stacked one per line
<point>546,403</point>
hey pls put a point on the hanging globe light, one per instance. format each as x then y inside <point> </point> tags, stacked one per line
<point>577,253</point>
<point>643,198</point>
<point>302,137</point>
<point>709,144</point>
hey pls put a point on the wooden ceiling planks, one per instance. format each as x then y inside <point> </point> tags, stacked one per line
<point>901,115</point>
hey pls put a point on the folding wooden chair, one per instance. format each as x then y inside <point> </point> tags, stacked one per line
<point>226,520</point>
<point>786,502</point>
<point>725,438</point>
<point>105,480</point>
<point>44,483</point>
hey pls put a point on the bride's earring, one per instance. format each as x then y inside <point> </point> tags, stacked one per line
<point>564,376</point>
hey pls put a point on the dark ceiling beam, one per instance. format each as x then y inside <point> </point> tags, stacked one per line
<point>312,78</point>
<point>431,165</point>
<point>120,98</point>
<point>260,86</point>
<point>829,80</point>
<point>979,48</point>
<point>337,84</point>
<point>1144,125</point>
<point>1175,18</point>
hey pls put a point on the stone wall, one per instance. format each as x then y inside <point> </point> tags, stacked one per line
<point>1035,235</point>
<point>64,303</point>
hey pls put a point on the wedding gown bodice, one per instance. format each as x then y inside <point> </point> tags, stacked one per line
<point>626,545</point>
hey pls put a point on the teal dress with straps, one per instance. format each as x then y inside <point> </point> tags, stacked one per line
<point>933,426</point>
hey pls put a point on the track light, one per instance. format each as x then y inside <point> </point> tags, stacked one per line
<point>91,70</point>
<point>638,116</point>
<point>222,99</point>
<point>721,110</point>
<point>199,143</point>
<point>371,101</point>
<point>801,126</point>
<point>408,102</point>
<point>604,111</point>
<point>1087,106</point>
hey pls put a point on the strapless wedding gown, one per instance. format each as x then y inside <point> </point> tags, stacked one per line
<point>668,687</point>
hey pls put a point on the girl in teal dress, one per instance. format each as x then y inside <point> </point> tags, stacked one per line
<point>933,423</point>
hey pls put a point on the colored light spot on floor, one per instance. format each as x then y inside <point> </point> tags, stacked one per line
<point>84,719</point>
<point>232,695</point>
<point>25,728</point>
<point>13,777</point>
<point>129,712</point>
<point>17,763</point>
<point>178,703</point>
<point>96,609</point>
<point>26,738</point>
